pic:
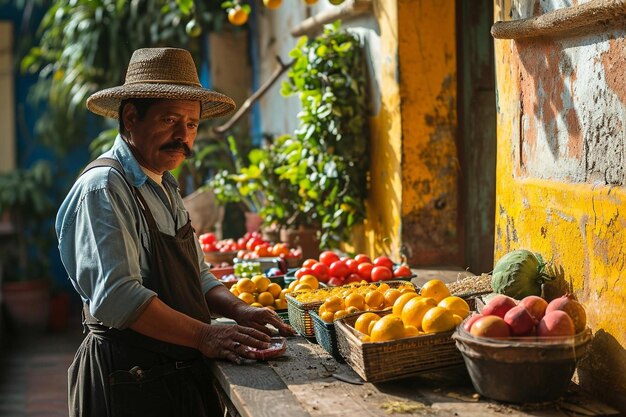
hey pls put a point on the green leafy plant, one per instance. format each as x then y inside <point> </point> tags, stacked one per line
<point>326,163</point>
<point>23,196</point>
<point>85,46</point>
<point>241,184</point>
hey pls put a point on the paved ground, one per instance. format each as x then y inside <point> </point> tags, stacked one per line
<point>33,372</point>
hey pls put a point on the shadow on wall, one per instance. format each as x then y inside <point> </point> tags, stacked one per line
<point>606,361</point>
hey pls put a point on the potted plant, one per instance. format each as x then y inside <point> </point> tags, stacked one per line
<point>26,283</point>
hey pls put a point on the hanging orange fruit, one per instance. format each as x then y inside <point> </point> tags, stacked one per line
<point>272,4</point>
<point>237,16</point>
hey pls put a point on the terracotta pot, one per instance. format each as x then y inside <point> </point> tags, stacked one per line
<point>306,239</point>
<point>27,305</point>
<point>270,234</point>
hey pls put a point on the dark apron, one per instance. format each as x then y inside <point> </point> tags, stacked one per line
<point>119,373</point>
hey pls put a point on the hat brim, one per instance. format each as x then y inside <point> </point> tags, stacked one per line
<point>107,102</point>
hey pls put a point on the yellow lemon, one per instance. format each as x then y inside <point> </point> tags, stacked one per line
<point>457,319</point>
<point>247,298</point>
<point>327,316</point>
<point>265,298</point>
<point>437,320</point>
<point>355,300</point>
<point>352,310</point>
<point>362,324</point>
<point>274,289</point>
<point>410,331</point>
<point>261,282</point>
<point>339,314</point>
<point>456,305</point>
<point>375,300</point>
<point>435,289</point>
<point>310,280</point>
<point>246,285</point>
<point>234,290</point>
<point>280,304</point>
<point>387,328</point>
<point>414,310</point>
<point>391,295</point>
<point>334,304</point>
<point>398,305</point>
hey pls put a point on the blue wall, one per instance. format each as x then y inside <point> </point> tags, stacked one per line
<point>29,150</point>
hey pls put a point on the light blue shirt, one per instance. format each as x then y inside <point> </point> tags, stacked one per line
<point>104,240</point>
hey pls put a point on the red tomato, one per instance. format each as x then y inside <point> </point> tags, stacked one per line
<point>339,269</point>
<point>365,271</point>
<point>207,238</point>
<point>304,271</point>
<point>363,259</point>
<point>309,263</point>
<point>208,247</point>
<point>402,271</point>
<point>253,243</point>
<point>381,273</point>
<point>328,257</point>
<point>335,282</point>
<point>384,261</point>
<point>321,271</point>
<point>352,265</point>
<point>353,278</point>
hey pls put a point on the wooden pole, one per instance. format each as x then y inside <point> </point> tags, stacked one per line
<point>594,15</point>
<point>282,67</point>
<point>348,10</point>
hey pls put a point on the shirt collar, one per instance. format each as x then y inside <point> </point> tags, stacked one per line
<point>132,170</point>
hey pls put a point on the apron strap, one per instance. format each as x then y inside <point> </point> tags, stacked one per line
<point>114,163</point>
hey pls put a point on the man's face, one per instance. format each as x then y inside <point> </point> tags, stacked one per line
<point>164,137</point>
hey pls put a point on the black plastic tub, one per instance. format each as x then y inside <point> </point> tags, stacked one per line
<point>520,370</point>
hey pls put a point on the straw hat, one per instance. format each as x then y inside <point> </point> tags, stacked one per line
<point>168,73</point>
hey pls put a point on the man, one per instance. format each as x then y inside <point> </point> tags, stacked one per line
<point>130,251</point>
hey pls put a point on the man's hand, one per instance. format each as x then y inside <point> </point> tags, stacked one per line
<point>258,318</point>
<point>230,342</point>
<point>223,302</point>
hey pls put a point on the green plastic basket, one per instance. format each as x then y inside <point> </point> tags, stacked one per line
<point>326,336</point>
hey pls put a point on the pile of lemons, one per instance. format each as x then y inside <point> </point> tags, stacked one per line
<point>341,301</point>
<point>433,310</point>
<point>304,283</point>
<point>259,291</point>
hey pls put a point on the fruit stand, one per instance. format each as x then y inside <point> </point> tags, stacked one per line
<point>310,380</point>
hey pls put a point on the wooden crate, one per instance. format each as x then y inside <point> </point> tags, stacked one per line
<point>396,359</point>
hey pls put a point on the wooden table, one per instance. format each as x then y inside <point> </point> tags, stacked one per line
<point>308,381</point>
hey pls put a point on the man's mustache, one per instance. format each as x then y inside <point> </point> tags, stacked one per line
<point>178,146</point>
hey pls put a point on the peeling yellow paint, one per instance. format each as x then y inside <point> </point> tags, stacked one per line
<point>579,227</point>
<point>427,51</point>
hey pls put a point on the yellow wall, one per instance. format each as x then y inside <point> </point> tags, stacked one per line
<point>580,227</point>
<point>382,227</point>
<point>427,54</point>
